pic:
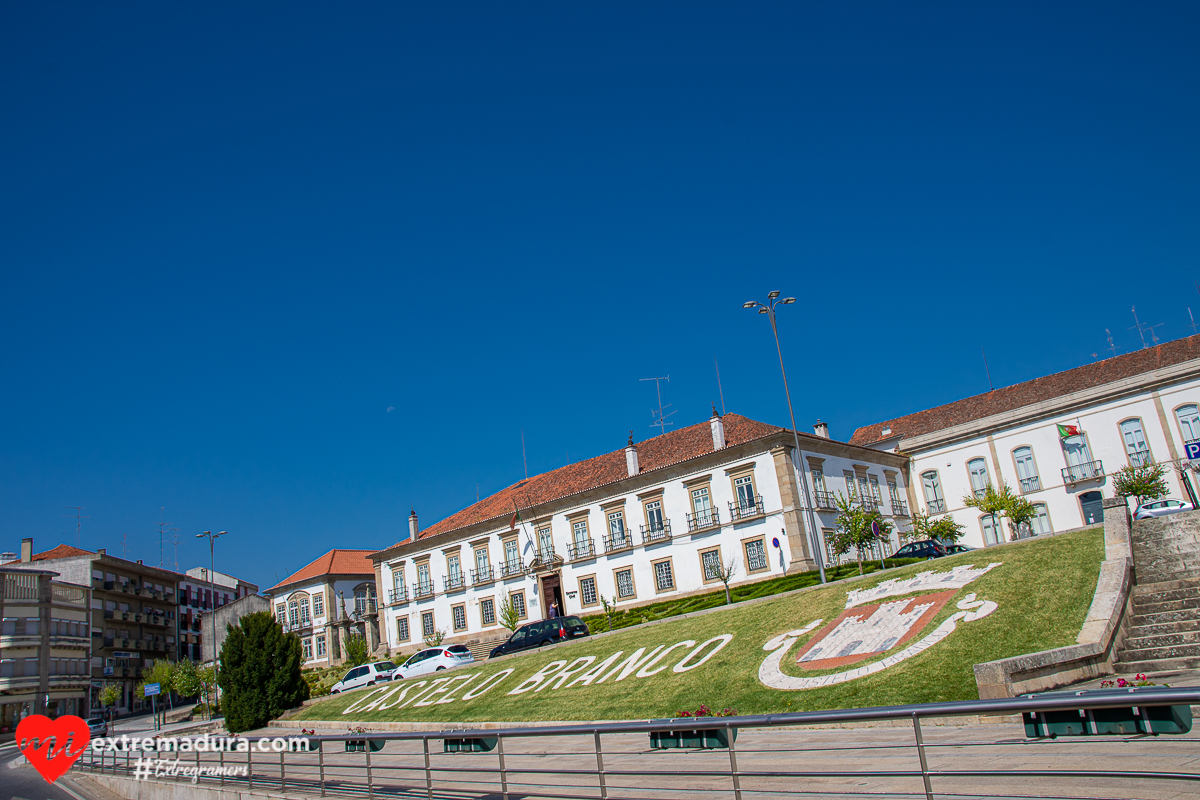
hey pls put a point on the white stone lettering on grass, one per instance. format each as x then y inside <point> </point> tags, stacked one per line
<point>596,671</point>
<point>355,706</point>
<point>956,578</point>
<point>488,683</point>
<point>574,668</point>
<point>537,677</point>
<point>646,672</point>
<point>427,698</point>
<point>684,666</point>
<point>403,693</point>
<point>374,704</point>
<point>433,684</point>
<point>631,664</point>
<point>449,698</point>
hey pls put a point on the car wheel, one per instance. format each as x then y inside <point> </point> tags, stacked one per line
<point>370,683</point>
<point>439,669</point>
<point>333,691</point>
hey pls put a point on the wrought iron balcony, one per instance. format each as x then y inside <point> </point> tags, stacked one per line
<point>656,533</point>
<point>509,569</point>
<point>397,595</point>
<point>744,510</point>
<point>1033,484</point>
<point>702,520</point>
<point>1092,470</point>
<point>545,555</point>
<point>581,550</point>
<point>454,583</point>
<point>420,590</point>
<point>868,503</point>
<point>617,543</point>
<point>899,508</point>
<point>482,576</point>
<point>825,500</point>
<point>1141,458</point>
<point>936,506</point>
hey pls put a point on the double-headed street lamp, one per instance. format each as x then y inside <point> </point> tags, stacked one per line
<point>768,308</point>
<point>212,587</point>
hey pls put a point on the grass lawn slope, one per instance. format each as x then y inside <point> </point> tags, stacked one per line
<point>1042,590</point>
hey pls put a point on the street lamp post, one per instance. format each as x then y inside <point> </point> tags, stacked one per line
<point>768,308</point>
<point>212,588</point>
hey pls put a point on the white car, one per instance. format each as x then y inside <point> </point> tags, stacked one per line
<point>434,659</point>
<point>366,675</point>
<point>1160,508</point>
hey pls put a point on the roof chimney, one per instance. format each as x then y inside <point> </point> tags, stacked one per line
<point>718,429</point>
<point>27,550</point>
<point>101,551</point>
<point>412,524</point>
<point>631,462</point>
<point>821,429</point>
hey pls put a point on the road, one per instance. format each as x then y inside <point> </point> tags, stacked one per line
<point>20,781</point>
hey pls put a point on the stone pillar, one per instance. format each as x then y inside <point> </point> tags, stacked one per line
<point>1117,529</point>
<point>371,629</point>
<point>793,512</point>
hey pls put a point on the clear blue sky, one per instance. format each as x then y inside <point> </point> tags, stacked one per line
<point>233,235</point>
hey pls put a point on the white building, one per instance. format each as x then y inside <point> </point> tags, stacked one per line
<point>1130,409</point>
<point>635,526</point>
<point>326,601</point>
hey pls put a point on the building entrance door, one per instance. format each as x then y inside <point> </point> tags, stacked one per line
<point>1092,504</point>
<point>552,593</point>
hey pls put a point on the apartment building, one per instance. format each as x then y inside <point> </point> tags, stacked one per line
<point>1056,439</point>
<point>657,519</point>
<point>45,644</point>
<point>197,598</point>
<point>133,618</point>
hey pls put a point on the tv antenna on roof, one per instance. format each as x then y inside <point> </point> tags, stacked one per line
<point>175,536</point>
<point>1112,347</point>
<point>1142,328</point>
<point>661,420</point>
<point>162,526</point>
<point>79,518</point>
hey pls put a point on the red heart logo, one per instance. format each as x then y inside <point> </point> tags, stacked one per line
<point>52,745</point>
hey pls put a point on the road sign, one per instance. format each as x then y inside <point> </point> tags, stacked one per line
<point>875,527</point>
<point>1192,450</point>
<point>152,689</point>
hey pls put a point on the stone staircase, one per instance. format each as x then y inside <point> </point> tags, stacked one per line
<point>1164,632</point>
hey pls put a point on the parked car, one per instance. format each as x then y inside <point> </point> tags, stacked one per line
<point>366,675</point>
<point>433,659</point>
<point>546,631</point>
<point>925,548</point>
<point>1160,508</point>
<point>97,727</point>
<point>952,549</point>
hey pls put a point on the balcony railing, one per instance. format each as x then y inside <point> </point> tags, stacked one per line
<point>1033,484</point>
<point>581,550</point>
<point>1141,458</point>
<point>422,590</point>
<point>454,583</point>
<point>510,569</point>
<point>899,508</point>
<point>868,503</point>
<point>656,533</point>
<point>702,520</point>
<point>482,576</point>
<point>615,544</point>
<point>397,596</point>
<point>545,555</point>
<point>936,506</point>
<point>826,500</point>
<point>1083,472</point>
<point>745,510</point>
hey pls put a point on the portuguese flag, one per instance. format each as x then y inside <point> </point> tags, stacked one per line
<point>1067,431</point>
<point>516,517</point>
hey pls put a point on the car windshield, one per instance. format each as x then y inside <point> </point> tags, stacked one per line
<point>460,650</point>
<point>384,665</point>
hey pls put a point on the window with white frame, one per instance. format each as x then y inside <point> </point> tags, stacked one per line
<point>280,610</point>
<point>454,570</point>
<point>818,478</point>
<point>625,583</point>
<point>511,555</point>
<point>293,613</point>
<point>616,528</point>
<point>701,502</point>
<point>654,515</point>
<point>1076,450</point>
<point>487,611</point>
<point>893,491</point>
<point>664,575</point>
<point>545,544</point>
<point>980,479</point>
<point>424,585</point>
<point>744,488</point>
<point>851,489</point>
<point>308,649</point>
<point>319,605</point>
<point>1189,423</point>
<point>1041,520</point>
<point>587,591</point>
<point>427,628</point>
<point>579,533</point>
<point>1135,442</point>
<point>875,492</point>
<point>402,633</point>
<point>481,561</point>
<point>1027,470</point>
<point>991,532</point>
<point>932,485</point>
<point>756,555</point>
<point>711,561</point>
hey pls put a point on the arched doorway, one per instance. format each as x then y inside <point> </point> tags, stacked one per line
<point>1092,504</point>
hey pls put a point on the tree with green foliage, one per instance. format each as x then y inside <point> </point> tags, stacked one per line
<point>993,502</point>
<point>110,695</point>
<point>1020,511</point>
<point>436,638</point>
<point>509,617</point>
<point>185,678</point>
<point>207,676</point>
<point>356,650</point>
<point>942,528</point>
<point>855,530</point>
<point>1145,482</point>
<point>609,608</point>
<point>260,672</point>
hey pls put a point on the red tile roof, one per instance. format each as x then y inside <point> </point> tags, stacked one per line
<point>335,562</point>
<point>1037,390</point>
<point>661,451</point>
<point>62,551</point>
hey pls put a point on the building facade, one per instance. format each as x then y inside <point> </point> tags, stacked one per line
<point>45,646</point>
<point>229,614</point>
<point>660,519</point>
<point>198,597</point>
<point>133,620</point>
<point>325,602</point>
<point>1055,440</point>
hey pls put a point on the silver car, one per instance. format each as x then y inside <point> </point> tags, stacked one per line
<point>1161,508</point>
<point>97,727</point>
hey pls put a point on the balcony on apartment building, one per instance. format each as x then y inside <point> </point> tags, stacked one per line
<point>581,550</point>
<point>397,596</point>
<point>936,506</point>
<point>1092,470</point>
<point>454,583</point>
<point>703,520</point>
<point>422,590</point>
<point>657,532</point>
<point>511,569</point>
<point>618,542</point>
<point>899,507</point>
<point>1031,484</point>
<point>480,577</point>
<point>825,501</point>
<point>744,510</point>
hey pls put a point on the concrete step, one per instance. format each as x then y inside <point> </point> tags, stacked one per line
<point>1185,615</point>
<point>1164,595</point>
<point>1159,629</point>
<point>1160,665</point>
<point>1167,605</point>
<point>1150,576</point>
<point>1176,639</point>
<point>1147,587</point>
<point>1160,653</point>
<point>1169,563</point>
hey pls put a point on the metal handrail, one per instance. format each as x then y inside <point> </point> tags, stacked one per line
<point>656,533</point>
<point>482,576</point>
<point>899,508</point>
<point>825,499</point>
<point>581,550</point>
<point>739,510</point>
<point>1083,472</point>
<point>613,544</point>
<point>704,519</point>
<point>1031,484</point>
